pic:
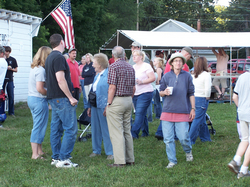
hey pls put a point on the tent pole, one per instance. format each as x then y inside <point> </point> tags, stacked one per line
<point>117,38</point>
<point>230,75</point>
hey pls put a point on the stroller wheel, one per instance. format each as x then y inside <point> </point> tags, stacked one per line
<point>212,131</point>
<point>82,139</point>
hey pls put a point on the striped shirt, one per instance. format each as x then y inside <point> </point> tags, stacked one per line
<point>122,75</point>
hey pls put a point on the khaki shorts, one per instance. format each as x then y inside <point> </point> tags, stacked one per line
<point>222,81</point>
<point>244,129</point>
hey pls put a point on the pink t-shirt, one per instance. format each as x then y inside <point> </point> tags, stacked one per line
<point>80,69</point>
<point>175,117</point>
<point>141,74</point>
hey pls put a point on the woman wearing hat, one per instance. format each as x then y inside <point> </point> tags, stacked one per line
<point>202,82</point>
<point>178,108</point>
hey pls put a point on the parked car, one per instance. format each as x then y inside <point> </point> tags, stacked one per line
<point>237,66</point>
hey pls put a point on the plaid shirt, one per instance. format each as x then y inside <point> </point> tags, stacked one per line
<point>122,74</point>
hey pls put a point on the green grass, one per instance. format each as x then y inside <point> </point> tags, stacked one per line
<point>209,167</point>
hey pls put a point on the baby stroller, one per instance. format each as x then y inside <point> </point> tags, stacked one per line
<point>209,123</point>
<point>3,116</point>
<point>84,119</point>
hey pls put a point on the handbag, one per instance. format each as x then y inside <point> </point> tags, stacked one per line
<point>92,99</point>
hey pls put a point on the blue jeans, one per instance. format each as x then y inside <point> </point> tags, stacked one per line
<point>157,105</point>
<point>63,120</point>
<point>141,103</point>
<point>149,109</point>
<point>149,112</point>
<point>199,126</point>
<point>100,131</point>
<point>10,93</point>
<point>85,102</point>
<point>40,114</point>
<point>159,129</point>
<point>181,129</point>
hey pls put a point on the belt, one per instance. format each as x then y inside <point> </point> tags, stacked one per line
<point>123,95</point>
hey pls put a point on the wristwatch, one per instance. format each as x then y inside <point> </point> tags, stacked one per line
<point>194,109</point>
<point>108,104</point>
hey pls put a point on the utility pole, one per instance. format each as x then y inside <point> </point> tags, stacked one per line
<point>137,25</point>
<point>247,48</point>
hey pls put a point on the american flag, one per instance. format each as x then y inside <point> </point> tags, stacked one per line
<point>63,17</point>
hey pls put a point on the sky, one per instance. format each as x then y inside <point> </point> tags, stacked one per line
<point>223,2</point>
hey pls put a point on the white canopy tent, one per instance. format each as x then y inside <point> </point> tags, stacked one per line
<point>176,40</point>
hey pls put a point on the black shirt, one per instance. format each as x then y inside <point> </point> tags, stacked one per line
<point>88,73</point>
<point>11,62</point>
<point>56,62</point>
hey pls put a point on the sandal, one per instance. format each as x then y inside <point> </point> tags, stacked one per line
<point>220,97</point>
<point>38,158</point>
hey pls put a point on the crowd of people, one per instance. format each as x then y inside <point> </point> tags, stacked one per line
<point>114,89</point>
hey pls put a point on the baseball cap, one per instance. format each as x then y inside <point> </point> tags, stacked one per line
<point>159,52</point>
<point>135,44</point>
<point>189,50</point>
<point>72,49</point>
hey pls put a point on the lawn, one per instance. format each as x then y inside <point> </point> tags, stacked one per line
<point>209,167</point>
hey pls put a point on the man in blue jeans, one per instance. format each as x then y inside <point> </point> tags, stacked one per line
<point>9,83</point>
<point>63,119</point>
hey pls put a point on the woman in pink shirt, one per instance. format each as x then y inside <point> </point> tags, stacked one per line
<point>144,75</point>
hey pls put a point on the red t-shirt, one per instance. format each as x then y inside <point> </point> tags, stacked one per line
<point>111,61</point>
<point>74,73</point>
<point>168,68</point>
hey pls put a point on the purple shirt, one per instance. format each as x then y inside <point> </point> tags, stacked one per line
<point>122,75</point>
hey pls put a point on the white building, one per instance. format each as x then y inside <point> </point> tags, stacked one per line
<point>17,30</point>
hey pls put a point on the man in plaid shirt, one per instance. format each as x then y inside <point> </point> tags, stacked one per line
<point>121,80</point>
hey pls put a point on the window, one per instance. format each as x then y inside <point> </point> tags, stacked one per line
<point>240,67</point>
<point>247,67</point>
<point>213,66</point>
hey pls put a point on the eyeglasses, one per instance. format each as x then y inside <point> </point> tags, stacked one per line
<point>178,61</point>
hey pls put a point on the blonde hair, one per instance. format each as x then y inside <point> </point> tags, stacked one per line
<point>102,60</point>
<point>41,56</point>
<point>160,62</point>
<point>90,56</point>
<point>140,53</point>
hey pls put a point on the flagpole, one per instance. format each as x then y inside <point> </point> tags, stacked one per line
<point>48,15</point>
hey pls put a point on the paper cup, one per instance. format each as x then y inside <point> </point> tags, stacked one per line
<point>170,90</point>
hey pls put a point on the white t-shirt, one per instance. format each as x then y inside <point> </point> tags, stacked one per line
<point>3,70</point>
<point>141,74</point>
<point>202,85</point>
<point>37,74</point>
<point>243,89</point>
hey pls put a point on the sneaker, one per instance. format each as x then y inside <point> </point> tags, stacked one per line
<point>1,126</point>
<point>233,167</point>
<point>189,157</point>
<point>170,165</point>
<point>94,155</point>
<point>241,175</point>
<point>54,162</point>
<point>110,157</point>
<point>66,164</point>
